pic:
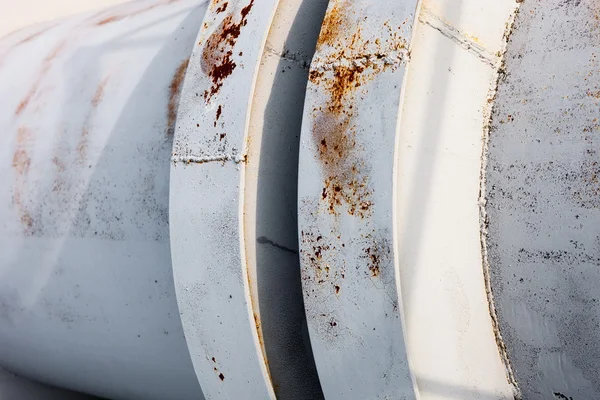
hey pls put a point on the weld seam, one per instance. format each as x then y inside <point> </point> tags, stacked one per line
<point>236,158</point>
<point>427,17</point>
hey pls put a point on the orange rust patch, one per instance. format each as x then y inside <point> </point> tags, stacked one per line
<point>335,23</point>
<point>174,94</point>
<point>217,53</point>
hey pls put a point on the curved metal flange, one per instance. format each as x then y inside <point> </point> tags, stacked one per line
<point>206,202</point>
<point>345,200</point>
<point>450,337</point>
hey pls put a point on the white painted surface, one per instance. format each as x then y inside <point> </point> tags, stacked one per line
<point>449,333</point>
<point>207,201</point>
<point>16,15</point>
<point>87,299</point>
<point>345,200</point>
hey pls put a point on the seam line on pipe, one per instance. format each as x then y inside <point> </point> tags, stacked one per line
<point>427,17</point>
<point>395,59</point>
<point>294,58</point>
<point>236,158</point>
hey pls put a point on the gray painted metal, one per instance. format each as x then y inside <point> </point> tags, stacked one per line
<point>542,203</point>
<point>87,106</point>
<point>349,274</point>
<point>270,197</point>
<point>207,200</point>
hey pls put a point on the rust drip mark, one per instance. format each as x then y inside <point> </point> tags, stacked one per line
<point>82,145</point>
<point>217,61</point>
<point>45,68</point>
<point>34,35</point>
<point>219,111</point>
<point>174,95</point>
<point>116,18</point>
<point>21,163</point>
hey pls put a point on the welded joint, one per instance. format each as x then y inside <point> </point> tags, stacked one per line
<point>236,158</point>
<point>427,17</point>
<point>286,55</point>
<point>394,59</point>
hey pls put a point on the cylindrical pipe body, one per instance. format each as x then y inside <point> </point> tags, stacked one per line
<point>87,108</point>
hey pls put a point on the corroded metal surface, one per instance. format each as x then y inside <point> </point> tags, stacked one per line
<point>86,290</point>
<point>541,200</point>
<point>207,182</point>
<point>345,200</point>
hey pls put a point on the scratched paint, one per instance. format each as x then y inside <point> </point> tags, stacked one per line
<point>86,267</point>
<point>346,251</point>
<point>541,206</point>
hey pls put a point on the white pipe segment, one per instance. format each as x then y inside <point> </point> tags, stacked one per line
<point>88,106</point>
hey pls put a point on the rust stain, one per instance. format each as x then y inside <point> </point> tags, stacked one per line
<point>45,68</point>
<point>34,35</point>
<point>342,70</point>
<point>217,61</point>
<point>174,94</point>
<point>335,23</point>
<point>21,163</point>
<point>82,145</point>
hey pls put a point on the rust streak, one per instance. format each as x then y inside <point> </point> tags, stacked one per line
<point>116,18</point>
<point>45,68</point>
<point>174,94</point>
<point>82,145</point>
<point>21,163</point>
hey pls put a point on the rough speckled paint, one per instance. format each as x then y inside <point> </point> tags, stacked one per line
<point>542,200</point>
